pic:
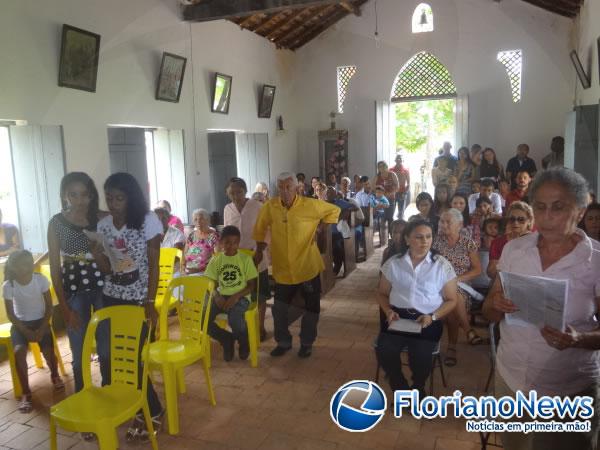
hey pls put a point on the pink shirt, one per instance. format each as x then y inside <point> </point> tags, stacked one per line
<point>175,221</point>
<point>525,361</point>
<point>244,222</point>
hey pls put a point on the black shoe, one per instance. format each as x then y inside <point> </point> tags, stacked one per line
<point>228,350</point>
<point>305,351</point>
<point>243,352</point>
<point>280,351</point>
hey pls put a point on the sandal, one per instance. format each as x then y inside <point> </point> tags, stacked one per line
<point>26,406</point>
<point>473,338</point>
<point>88,437</point>
<point>137,429</point>
<point>450,360</point>
<point>58,383</point>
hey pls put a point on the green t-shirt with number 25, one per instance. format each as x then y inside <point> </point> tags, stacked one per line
<point>231,272</point>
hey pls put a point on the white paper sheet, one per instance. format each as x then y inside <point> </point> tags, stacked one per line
<point>405,325</point>
<point>541,301</point>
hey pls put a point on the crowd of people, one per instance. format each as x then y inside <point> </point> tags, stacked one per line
<point>547,227</point>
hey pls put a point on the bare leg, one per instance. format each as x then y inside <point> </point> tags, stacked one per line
<point>22,369</point>
<point>50,358</point>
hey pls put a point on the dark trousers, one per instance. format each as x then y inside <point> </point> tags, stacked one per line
<point>153,401</point>
<point>285,313</point>
<point>420,361</point>
<point>337,250</point>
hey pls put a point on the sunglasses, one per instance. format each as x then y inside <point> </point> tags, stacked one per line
<point>517,219</point>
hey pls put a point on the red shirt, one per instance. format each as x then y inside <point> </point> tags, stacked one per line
<point>497,246</point>
<point>514,196</point>
<point>403,178</point>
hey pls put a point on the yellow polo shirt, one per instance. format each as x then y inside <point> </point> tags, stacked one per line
<point>294,252</point>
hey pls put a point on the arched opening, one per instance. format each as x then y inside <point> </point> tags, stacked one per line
<point>422,19</point>
<point>424,109</point>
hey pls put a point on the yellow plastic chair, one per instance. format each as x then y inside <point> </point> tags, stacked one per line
<point>102,409</point>
<point>251,316</point>
<point>166,270</point>
<point>171,356</point>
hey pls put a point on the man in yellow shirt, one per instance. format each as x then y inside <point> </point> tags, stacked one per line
<point>293,221</point>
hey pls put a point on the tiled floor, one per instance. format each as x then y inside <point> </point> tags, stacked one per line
<point>283,404</point>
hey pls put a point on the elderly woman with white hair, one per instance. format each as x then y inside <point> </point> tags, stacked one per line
<point>546,360</point>
<point>200,244</point>
<point>262,188</point>
<point>345,193</point>
<point>461,251</point>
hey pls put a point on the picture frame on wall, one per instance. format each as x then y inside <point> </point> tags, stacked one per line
<point>79,54</point>
<point>221,93</point>
<point>581,74</point>
<point>170,77</point>
<point>265,105</point>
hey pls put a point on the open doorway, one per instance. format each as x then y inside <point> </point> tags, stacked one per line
<point>156,159</point>
<point>421,129</point>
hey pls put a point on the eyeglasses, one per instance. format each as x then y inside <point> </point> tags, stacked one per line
<point>517,219</point>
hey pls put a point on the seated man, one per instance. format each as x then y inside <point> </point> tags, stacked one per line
<point>523,179</point>
<point>172,237</point>
<point>486,190</point>
<point>235,274</point>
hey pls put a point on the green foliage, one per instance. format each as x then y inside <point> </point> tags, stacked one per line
<point>413,120</point>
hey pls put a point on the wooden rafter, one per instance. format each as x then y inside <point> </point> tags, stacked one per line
<point>556,7</point>
<point>281,25</point>
<point>275,18</point>
<point>315,31</point>
<point>219,9</point>
<point>306,24</point>
<point>248,20</point>
<point>265,18</point>
<point>348,6</point>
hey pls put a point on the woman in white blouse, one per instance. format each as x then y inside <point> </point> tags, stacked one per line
<point>419,285</point>
<point>242,213</point>
<point>550,361</point>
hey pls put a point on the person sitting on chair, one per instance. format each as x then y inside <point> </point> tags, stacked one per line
<point>419,285</point>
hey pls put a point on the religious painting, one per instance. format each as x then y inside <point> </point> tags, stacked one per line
<point>79,54</point>
<point>266,102</point>
<point>221,93</point>
<point>170,78</point>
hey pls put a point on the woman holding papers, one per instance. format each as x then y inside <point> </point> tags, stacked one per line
<point>417,289</point>
<point>544,359</point>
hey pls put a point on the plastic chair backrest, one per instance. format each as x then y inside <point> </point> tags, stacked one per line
<point>126,324</point>
<point>45,270</point>
<point>195,296</point>
<point>166,268</point>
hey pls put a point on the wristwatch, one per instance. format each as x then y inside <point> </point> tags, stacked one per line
<point>433,317</point>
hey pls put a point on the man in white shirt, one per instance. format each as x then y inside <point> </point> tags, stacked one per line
<point>487,190</point>
<point>363,197</point>
<point>172,237</point>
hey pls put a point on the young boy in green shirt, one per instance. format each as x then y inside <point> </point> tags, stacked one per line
<point>235,275</point>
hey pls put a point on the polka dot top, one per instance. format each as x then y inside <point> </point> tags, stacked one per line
<point>79,270</point>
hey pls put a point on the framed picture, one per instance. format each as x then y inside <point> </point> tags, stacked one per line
<point>583,77</point>
<point>221,93</point>
<point>79,53</point>
<point>170,78</point>
<point>266,101</point>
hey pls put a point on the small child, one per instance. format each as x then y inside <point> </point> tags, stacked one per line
<point>491,230</point>
<point>29,307</point>
<point>475,187</point>
<point>235,274</point>
<point>379,203</point>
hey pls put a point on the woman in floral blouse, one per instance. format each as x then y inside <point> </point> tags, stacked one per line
<point>461,251</point>
<point>200,244</point>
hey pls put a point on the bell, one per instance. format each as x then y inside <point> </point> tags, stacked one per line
<point>423,18</point>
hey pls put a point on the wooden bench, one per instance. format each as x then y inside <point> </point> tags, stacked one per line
<point>326,249</point>
<point>367,239</point>
<point>350,244</point>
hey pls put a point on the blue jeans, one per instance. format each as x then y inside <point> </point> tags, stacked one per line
<point>84,304</point>
<point>237,323</point>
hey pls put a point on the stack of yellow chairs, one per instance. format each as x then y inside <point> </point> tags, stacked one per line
<point>166,269</point>
<point>101,410</point>
<point>252,320</point>
<point>171,356</point>
<point>33,346</point>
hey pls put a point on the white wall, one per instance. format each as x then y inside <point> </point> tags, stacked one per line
<point>468,35</point>
<point>134,35</point>
<point>586,35</point>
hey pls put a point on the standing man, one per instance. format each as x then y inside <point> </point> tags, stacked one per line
<point>403,194</point>
<point>293,221</point>
<point>519,163</point>
<point>556,157</point>
<point>445,154</point>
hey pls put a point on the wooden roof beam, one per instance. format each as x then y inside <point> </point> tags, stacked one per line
<point>290,19</point>
<point>351,7</point>
<point>306,24</point>
<point>273,20</point>
<point>219,9</point>
<point>553,7</point>
<point>315,31</point>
